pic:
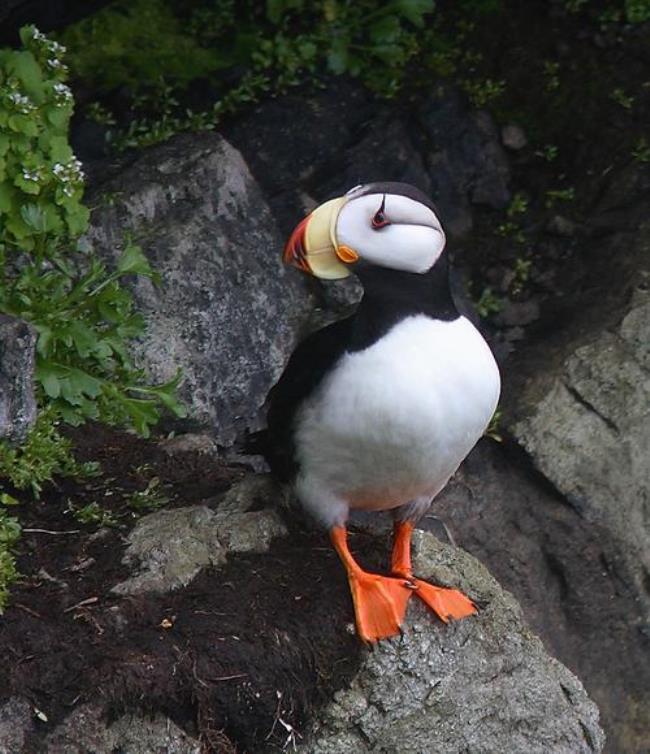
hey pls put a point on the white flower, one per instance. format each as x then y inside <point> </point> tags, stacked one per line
<point>63,93</point>
<point>22,103</point>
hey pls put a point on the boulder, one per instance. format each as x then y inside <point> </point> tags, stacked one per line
<point>226,312</point>
<point>338,138</point>
<point>88,730</point>
<point>586,427</point>
<point>169,548</point>
<point>17,402</point>
<point>570,575</point>
<point>570,500</point>
<point>483,684</point>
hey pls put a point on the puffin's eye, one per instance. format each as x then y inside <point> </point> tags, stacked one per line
<point>380,220</point>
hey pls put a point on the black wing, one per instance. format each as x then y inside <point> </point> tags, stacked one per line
<point>308,364</point>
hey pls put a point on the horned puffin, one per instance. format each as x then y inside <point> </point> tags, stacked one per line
<point>378,410</point>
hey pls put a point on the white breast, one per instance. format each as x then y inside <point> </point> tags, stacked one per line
<point>393,422</point>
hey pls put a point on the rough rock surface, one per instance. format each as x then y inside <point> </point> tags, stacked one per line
<point>570,502</point>
<point>439,145</point>
<point>570,576</point>
<point>16,722</point>
<point>484,684</point>
<point>17,402</point>
<point>226,311</point>
<point>87,730</point>
<point>588,431</point>
<point>171,546</point>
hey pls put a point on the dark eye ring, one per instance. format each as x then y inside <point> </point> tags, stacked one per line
<point>379,220</point>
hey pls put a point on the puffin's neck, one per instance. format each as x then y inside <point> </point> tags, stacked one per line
<point>391,295</point>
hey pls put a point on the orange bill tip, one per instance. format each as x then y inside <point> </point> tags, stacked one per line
<point>347,255</point>
<point>294,251</point>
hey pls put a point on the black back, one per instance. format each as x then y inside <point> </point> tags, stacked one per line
<point>389,297</point>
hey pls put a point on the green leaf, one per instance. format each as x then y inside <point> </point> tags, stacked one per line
<point>44,338</point>
<point>6,193</point>
<point>338,55</point>
<point>77,220</point>
<point>414,10</point>
<point>33,188</point>
<point>59,116</point>
<point>24,66</point>
<point>83,337</point>
<point>60,150</point>
<point>133,261</point>
<point>385,30</point>
<point>49,381</point>
<point>34,217</point>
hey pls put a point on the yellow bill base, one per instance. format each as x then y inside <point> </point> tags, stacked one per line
<point>320,242</point>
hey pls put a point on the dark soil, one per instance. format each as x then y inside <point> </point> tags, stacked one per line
<point>263,639</point>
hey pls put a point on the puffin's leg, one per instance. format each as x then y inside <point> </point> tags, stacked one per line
<point>379,601</point>
<point>445,603</point>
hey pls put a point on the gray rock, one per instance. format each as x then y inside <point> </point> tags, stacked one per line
<point>577,402</point>
<point>569,575</point>
<point>513,137</point>
<point>227,312</point>
<point>16,723</point>
<point>465,159</point>
<point>587,429</point>
<point>88,730</point>
<point>518,313</point>
<point>169,547</point>
<point>561,226</point>
<point>17,401</point>
<point>484,684</point>
<point>339,138</point>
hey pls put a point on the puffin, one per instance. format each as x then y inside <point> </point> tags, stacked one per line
<point>376,412</point>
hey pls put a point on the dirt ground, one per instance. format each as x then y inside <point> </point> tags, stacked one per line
<point>262,640</point>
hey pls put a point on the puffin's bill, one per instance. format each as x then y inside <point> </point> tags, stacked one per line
<point>312,246</point>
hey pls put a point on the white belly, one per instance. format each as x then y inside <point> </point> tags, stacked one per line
<point>393,422</point>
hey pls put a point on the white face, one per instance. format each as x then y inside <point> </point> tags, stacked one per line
<point>391,231</point>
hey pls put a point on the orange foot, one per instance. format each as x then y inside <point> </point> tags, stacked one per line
<point>379,604</point>
<point>379,601</point>
<point>445,603</point>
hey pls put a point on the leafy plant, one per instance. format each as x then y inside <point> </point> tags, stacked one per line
<point>548,152</point>
<point>9,535</point>
<point>641,151</point>
<point>637,11</point>
<point>552,80</point>
<point>488,303</point>
<point>270,46</point>
<point>149,499</point>
<point>483,91</point>
<point>559,195</point>
<point>494,428</point>
<point>619,96</point>
<point>93,513</point>
<point>522,274</point>
<point>43,455</point>
<point>134,43</point>
<point>83,315</point>
<point>518,205</point>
